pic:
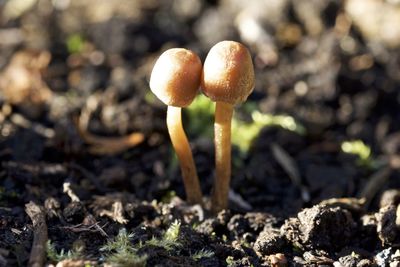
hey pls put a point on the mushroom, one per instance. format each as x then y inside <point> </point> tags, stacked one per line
<point>175,80</point>
<point>227,79</point>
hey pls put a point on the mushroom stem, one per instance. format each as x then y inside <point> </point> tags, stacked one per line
<point>185,157</point>
<point>222,135</point>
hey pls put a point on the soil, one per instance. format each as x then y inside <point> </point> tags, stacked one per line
<point>68,164</point>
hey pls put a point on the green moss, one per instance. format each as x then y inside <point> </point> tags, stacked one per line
<point>120,251</point>
<point>201,117</point>
<point>244,133</point>
<point>55,256</point>
<point>201,122</point>
<point>203,253</point>
<point>172,232</point>
<point>230,260</point>
<point>169,241</point>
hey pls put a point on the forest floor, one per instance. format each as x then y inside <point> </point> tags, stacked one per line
<point>87,172</point>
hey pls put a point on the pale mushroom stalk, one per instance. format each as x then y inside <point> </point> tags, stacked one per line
<point>175,80</point>
<point>227,79</point>
<point>182,149</point>
<point>222,140</point>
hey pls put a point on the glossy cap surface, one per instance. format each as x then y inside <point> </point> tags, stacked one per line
<point>175,78</point>
<point>228,73</point>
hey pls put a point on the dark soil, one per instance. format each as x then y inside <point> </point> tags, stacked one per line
<point>88,63</point>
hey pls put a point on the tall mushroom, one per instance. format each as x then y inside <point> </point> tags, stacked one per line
<point>227,79</point>
<point>175,80</point>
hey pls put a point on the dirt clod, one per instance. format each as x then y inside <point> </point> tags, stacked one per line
<point>74,212</point>
<point>319,227</point>
<point>269,241</point>
<point>390,197</point>
<point>387,229</point>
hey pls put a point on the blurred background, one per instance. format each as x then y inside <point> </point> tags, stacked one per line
<point>323,121</point>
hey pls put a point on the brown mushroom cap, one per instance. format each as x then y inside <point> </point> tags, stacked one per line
<point>228,73</point>
<point>175,78</point>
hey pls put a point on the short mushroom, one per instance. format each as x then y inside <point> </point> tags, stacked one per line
<point>227,79</point>
<point>175,80</point>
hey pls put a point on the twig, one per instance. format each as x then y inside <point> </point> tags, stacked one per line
<point>101,145</point>
<point>38,217</point>
<point>93,228</point>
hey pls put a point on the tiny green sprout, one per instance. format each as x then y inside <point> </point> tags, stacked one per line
<point>360,149</point>
<point>75,43</point>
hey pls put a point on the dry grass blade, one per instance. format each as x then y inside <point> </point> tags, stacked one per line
<point>290,167</point>
<point>374,184</point>
<point>238,200</point>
